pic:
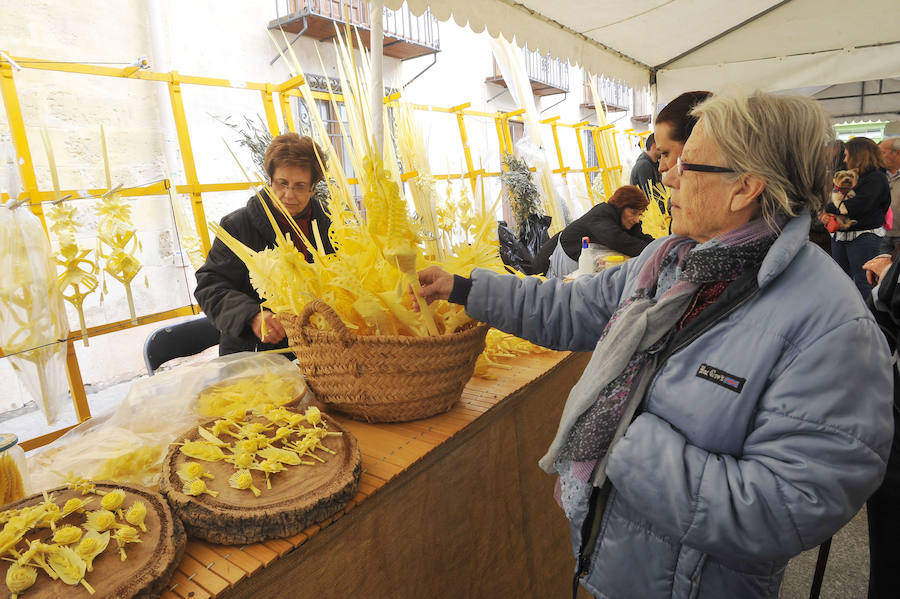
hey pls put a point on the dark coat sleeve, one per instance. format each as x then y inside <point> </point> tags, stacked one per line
<point>873,196</point>
<point>603,225</point>
<point>887,313</point>
<point>223,286</point>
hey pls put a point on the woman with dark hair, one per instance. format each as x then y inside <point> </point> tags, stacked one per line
<point>615,225</point>
<point>673,126</point>
<point>294,165</point>
<point>867,205</point>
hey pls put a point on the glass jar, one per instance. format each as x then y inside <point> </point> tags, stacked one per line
<point>13,469</point>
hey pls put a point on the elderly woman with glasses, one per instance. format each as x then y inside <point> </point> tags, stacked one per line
<point>223,289</point>
<point>711,436</point>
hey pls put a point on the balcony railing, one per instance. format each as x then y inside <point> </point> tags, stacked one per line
<point>616,97</point>
<point>547,75</point>
<point>405,35</point>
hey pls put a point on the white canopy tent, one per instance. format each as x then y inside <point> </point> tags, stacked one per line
<point>697,44</point>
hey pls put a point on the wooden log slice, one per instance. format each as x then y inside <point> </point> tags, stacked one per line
<point>300,495</point>
<point>150,564</point>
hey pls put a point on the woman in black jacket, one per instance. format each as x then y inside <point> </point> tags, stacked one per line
<point>223,288</point>
<point>614,224</point>
<point>860,243</point>
<point>883,507</point>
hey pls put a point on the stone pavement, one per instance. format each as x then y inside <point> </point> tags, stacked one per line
<point>847,572</point>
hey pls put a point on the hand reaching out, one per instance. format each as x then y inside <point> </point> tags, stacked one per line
<point>877,267</point>
<point>274,330</point>
<point>436,284</point>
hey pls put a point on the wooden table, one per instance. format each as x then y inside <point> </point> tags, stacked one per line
<point>450,506</point>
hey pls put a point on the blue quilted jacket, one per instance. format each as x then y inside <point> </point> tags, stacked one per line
<point>758,439</point>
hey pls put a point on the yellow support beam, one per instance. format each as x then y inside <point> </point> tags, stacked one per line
<point>508,135</point>
<point>121,325</point>
<point>187,159</point>
<point>269,105</point>
<point>20,138</point>
<point>470,166</point>
<point>584,165</point>
<point>76,383</point>
<point>559,156</point>
<point>215,187</point>
<point>292,83</point>
<point>30,444</point>
<point>500,140</point>
<point>130,73</point>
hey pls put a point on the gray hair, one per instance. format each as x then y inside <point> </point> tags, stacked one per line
<point>895,142</point>
<point>779,138</point>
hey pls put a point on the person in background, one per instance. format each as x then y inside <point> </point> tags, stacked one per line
<point>853,247</point>
<point>645,173</point>
<point>883,507</point>
<point>673,126</point>
<point>223,288</point>
<point>890,153</point>
<point>818,234</point>
<point>615,225</point>
<point>705,445</point>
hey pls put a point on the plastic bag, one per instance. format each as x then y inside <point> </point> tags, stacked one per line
<point>512,251</point>
<point>130,443</point>
<point>32,315</point>
<point>535,233</point>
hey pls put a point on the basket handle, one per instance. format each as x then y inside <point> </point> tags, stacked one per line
<point>331,317</point>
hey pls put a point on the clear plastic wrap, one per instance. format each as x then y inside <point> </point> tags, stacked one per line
<point>32,315</point>
<point>129,444</point>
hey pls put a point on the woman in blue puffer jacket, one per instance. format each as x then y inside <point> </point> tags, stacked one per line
<point>725,422</point>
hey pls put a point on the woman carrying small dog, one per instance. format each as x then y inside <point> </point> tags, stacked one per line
<point>866,204</point>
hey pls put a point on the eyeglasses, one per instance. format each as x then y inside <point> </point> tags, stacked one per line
<point>700,168</point>
<point>299,188</point>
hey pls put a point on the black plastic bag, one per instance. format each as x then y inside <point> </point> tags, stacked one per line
<point>518,251</point>
<point>534,233</point>
<point>512,251</point>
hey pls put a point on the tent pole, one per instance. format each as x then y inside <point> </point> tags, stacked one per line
<point>376,85</point>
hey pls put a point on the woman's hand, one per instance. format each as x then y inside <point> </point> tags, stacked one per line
<point>876,267</point>
<point>436,284</point>
<point>274,331</point>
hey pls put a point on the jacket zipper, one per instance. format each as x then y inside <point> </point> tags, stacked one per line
<point>585,552</point>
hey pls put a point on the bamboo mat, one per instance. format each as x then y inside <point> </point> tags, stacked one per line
<point>387,450</point>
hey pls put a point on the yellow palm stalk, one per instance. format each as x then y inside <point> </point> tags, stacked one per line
<point>612,173</point>
<point>656,219</point>
<point>78,270</point>
<point>117,241</point>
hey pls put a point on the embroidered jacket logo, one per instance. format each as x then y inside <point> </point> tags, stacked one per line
<point>721,378</point>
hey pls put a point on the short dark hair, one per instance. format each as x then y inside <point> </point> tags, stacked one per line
<point>677,114</point>
<point>651,139</point>
<point>292,149</point>
<point>629,196</point>
<point>864,154</point>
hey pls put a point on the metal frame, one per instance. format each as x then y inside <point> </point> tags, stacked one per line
<point>174,81</point>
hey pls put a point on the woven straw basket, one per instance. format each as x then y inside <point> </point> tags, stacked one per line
<point>382,378</point>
